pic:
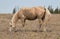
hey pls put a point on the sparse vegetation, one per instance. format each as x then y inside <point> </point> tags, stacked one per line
<point>56,11</point>
<point>14,10</point>
<point>53,25</point>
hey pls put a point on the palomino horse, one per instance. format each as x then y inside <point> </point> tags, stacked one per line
<point>40,13</point>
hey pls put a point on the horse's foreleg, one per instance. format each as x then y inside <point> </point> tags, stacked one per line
<point>23,22</point>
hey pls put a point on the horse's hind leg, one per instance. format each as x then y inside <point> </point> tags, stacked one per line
<point>40,23</point>
<point>45,22</point>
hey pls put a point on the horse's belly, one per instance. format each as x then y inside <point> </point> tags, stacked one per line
<point>31,17</point>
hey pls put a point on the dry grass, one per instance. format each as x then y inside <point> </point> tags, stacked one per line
<point>28,32</point>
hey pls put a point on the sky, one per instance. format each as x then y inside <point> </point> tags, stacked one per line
<point>6,6</point>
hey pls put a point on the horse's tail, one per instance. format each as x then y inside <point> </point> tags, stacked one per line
<point>47,14</point>
<point>47,11</point>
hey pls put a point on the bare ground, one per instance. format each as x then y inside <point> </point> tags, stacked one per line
<point>30,29</point>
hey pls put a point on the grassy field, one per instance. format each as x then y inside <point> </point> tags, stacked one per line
<point>28,32</point>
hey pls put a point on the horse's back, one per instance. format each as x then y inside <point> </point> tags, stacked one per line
<point>32,13</point>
